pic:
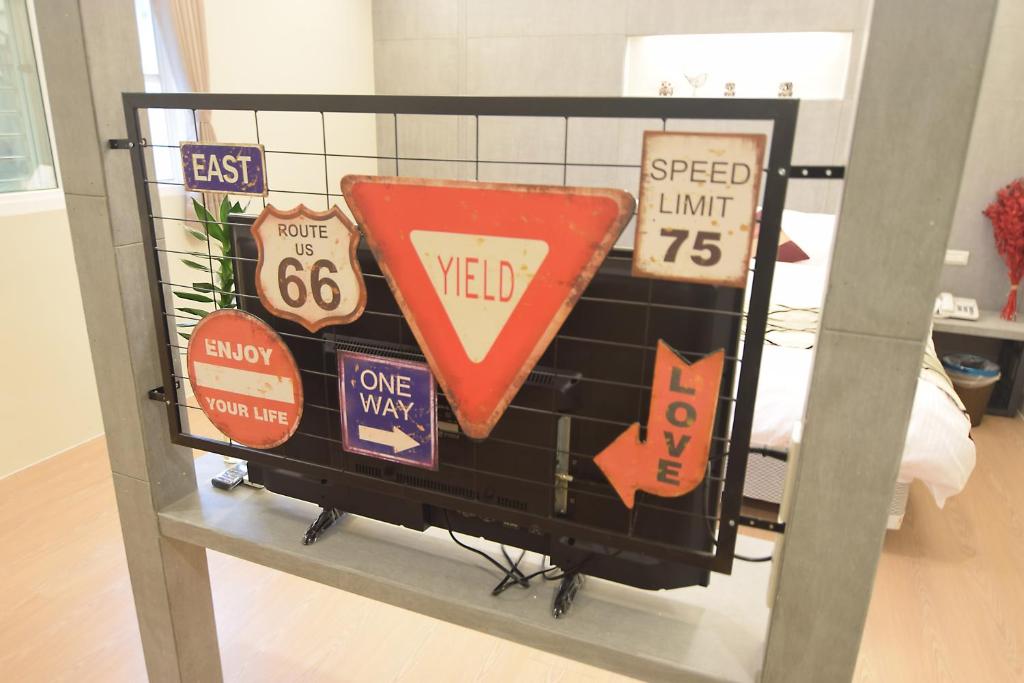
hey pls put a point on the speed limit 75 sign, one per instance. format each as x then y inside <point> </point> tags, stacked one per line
<point>308,271</point>
<point>698,198</point>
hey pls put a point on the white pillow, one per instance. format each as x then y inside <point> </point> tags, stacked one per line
<point>799,285</point>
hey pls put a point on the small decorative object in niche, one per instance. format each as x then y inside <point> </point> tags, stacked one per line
<point>697,81</point>
<point>730,89</point>
<point>786,89</point>
<point>666,89</point>
<point>1007,216</point>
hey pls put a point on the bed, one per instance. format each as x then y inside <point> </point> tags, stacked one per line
<point>938,451</point>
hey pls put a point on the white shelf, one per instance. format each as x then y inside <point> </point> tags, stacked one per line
<point>988,324</point>
<point>715,633</point>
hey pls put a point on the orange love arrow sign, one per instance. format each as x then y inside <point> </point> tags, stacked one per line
<point>684,399</point>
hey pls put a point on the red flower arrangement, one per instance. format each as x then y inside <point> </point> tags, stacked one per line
<point>1007,216</point>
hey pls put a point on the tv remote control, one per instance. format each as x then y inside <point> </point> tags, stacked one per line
<point>231,477</point>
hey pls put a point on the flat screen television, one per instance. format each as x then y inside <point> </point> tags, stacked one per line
<point>532,483</point>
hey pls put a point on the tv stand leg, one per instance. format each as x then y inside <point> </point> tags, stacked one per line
<point>566,594</point>
<point>324,520</point>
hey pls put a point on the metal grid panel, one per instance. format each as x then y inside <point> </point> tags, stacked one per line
<point>551,154</point>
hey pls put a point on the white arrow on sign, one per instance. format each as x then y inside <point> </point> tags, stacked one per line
<point>397,439</point>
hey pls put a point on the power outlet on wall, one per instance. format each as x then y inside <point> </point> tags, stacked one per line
<point>957,257</point>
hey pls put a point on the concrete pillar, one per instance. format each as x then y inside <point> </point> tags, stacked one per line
<point>922,72</point>
<point>91,55</point>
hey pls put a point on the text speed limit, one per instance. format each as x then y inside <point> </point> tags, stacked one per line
<point>307,270</point>
<point>698,199</point>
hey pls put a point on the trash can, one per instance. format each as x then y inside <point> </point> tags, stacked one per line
<point>974,378</point>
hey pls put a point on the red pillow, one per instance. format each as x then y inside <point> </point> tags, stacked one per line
<point>789,251</point>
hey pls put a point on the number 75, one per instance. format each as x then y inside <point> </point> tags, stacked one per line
<point>704,241</point>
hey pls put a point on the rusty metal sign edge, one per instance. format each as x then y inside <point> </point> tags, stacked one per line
<point>626,205</point>
<point>760,142</point>
<point>217,143</point>
<point>252,319</point>
<point>303,210</point>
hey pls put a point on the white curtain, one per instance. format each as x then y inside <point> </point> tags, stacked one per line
<point>181,49</point>
<point>184,66</point>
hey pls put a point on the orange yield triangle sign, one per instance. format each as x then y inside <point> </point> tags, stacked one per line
<point>485,273</point>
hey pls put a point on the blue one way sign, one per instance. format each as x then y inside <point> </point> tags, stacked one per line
<point>388,409</point>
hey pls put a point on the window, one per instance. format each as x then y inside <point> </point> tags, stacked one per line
<point>147,45</point>
<point>26,158</point>
<point>167,127</point>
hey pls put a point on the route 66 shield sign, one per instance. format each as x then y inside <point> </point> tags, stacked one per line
<point>307,269</point>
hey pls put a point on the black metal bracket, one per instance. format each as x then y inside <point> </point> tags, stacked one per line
<point>158,394</point>
<point>775,453</point>
<point>571,584</point>
<point>120,143</point>
<point>326,519</point>
<point>764,524</point>
<point>815,172</point>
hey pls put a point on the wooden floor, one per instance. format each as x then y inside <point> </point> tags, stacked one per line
<point>948,603</point>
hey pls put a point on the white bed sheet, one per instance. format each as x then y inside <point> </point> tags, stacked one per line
<point>938,450</point>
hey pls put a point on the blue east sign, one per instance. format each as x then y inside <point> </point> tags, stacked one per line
<point>228,168</point>
<point>388,409</point>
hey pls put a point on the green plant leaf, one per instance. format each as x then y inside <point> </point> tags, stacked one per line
<point>201,212</point>
<point>237,208</point>
<point>216,231</point>
<point>225,218</point>
<point>209,222</point>
<point>222,232</point>
<point>198,235</point>
<point>198,312</point>
<point>225,209</point>
<point>184,335</point>
<point>194,297</point>
<point>197,266</point>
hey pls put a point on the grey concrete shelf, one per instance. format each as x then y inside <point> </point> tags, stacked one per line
<point>715,633</point>
<point>988,324</point>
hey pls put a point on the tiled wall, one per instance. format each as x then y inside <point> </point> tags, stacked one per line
<point>995,157</point>
<point>577,47</point>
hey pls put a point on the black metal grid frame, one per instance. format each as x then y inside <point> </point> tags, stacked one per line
<point>781,113</point>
